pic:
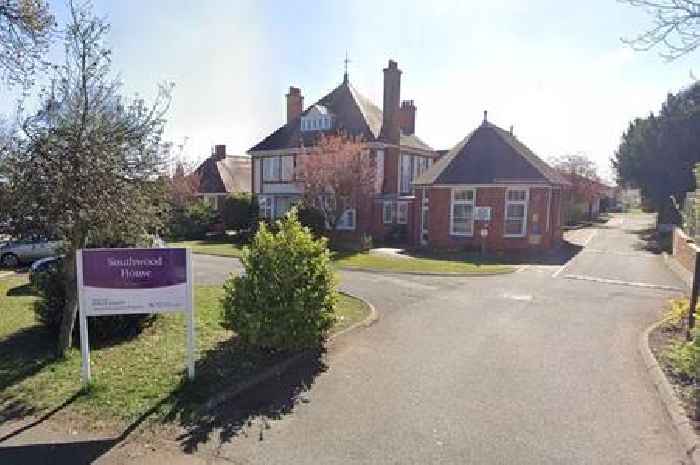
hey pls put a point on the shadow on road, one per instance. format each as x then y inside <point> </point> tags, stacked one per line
<point>252,409</point>
<point>653,241</point>
<point>74,453</point>
<point>59,453</point>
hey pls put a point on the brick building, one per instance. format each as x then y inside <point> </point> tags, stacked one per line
<point>221,175</point>
<point>388,135</point>
<point>423,196</point>
<point>490,187</point>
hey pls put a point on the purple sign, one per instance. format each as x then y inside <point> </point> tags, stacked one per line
<point>134,268</point>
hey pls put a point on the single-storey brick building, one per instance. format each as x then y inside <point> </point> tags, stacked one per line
<point>492,188</point>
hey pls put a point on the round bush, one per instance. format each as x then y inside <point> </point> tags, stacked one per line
<point>51,289</point>
<point>286,298</point>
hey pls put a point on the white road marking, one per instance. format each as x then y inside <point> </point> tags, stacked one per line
<point>623,283</point>
<point>565,265</point>
<point>590,238</point>
<point>522,297</point>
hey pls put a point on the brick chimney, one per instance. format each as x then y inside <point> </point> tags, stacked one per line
<point>407,117</point>
<point>219,152</point>
<point>392,95</point>
<point>295,103</point>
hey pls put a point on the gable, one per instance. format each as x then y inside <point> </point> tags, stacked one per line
<point>351,113</point>
<point>490,155</point>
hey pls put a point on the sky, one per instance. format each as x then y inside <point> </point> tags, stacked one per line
<point>556,71</point>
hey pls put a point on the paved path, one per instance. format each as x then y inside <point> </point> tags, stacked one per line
<point>525,368</point>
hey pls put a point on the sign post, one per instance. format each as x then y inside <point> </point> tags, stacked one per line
<point>134,281</point>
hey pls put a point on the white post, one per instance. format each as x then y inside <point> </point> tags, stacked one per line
<point>84,345</point>
<point>191,348</point>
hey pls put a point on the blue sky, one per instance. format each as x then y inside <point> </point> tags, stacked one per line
<point>556,71</point>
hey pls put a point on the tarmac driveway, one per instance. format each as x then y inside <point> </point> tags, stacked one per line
<point>537,367</point>
<point>525,368</point>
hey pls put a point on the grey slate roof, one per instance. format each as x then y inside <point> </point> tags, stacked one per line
<point>490,155</point>
<point>231,174</point>
<point>354,113</point>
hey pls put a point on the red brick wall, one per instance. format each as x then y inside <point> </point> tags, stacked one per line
<point>494,197</point>
<point>391,168</point>
<point>683,251</point>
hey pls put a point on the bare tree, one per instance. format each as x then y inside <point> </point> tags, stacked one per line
<point>26,29</point>
<point>676,27</point>
<point>91,161</point>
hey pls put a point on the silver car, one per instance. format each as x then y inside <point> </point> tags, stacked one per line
<point>15,252</point>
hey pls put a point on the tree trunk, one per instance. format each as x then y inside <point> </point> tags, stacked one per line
<point>65,334</point>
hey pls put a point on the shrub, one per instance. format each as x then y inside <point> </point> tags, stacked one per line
<point>51,289</point>
<point>193,221</point>
<point>240,211</point>
<point>313,218</point>
<point>676,314</point>
<point>286,298</point>
<point>683,356</point>
<point>398,234</point>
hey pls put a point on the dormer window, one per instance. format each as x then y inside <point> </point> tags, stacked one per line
<point>317,118</point>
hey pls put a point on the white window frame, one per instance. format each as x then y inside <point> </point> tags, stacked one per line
<point>347,221</point>
<point>392,212</point>
<point>267,210</point>
<point>523,229</point>
<point>454,202</point>
<point>379,162</point>
<point>405,160</point>
<point>271,169</point>
<point>402,213</point>
<point>287,168</point>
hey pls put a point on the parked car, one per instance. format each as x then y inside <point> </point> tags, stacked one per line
<point>43,265</point>
<point>16,252</point>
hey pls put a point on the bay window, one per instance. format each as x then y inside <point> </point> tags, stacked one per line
<point>277,169</point>
<point>462,212</point>
<point>516,213</point>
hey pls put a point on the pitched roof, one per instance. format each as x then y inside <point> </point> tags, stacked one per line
<point>353,112</point>
<point>226,175</point>
<point>490,155</point>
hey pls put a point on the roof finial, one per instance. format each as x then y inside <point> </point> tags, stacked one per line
<point>346,61</point>
<point>486,114</point>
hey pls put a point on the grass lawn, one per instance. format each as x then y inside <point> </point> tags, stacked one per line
<point>210,247</point>
<point>429,264</point>
<point>130,378</point>
<point>446,263</point>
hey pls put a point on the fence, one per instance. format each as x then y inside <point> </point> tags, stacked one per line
<point>689,214</point>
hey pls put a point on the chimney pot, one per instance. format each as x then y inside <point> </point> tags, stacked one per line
<point>486,114</point>
<point>511,129</point>
<point>295,103</point>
